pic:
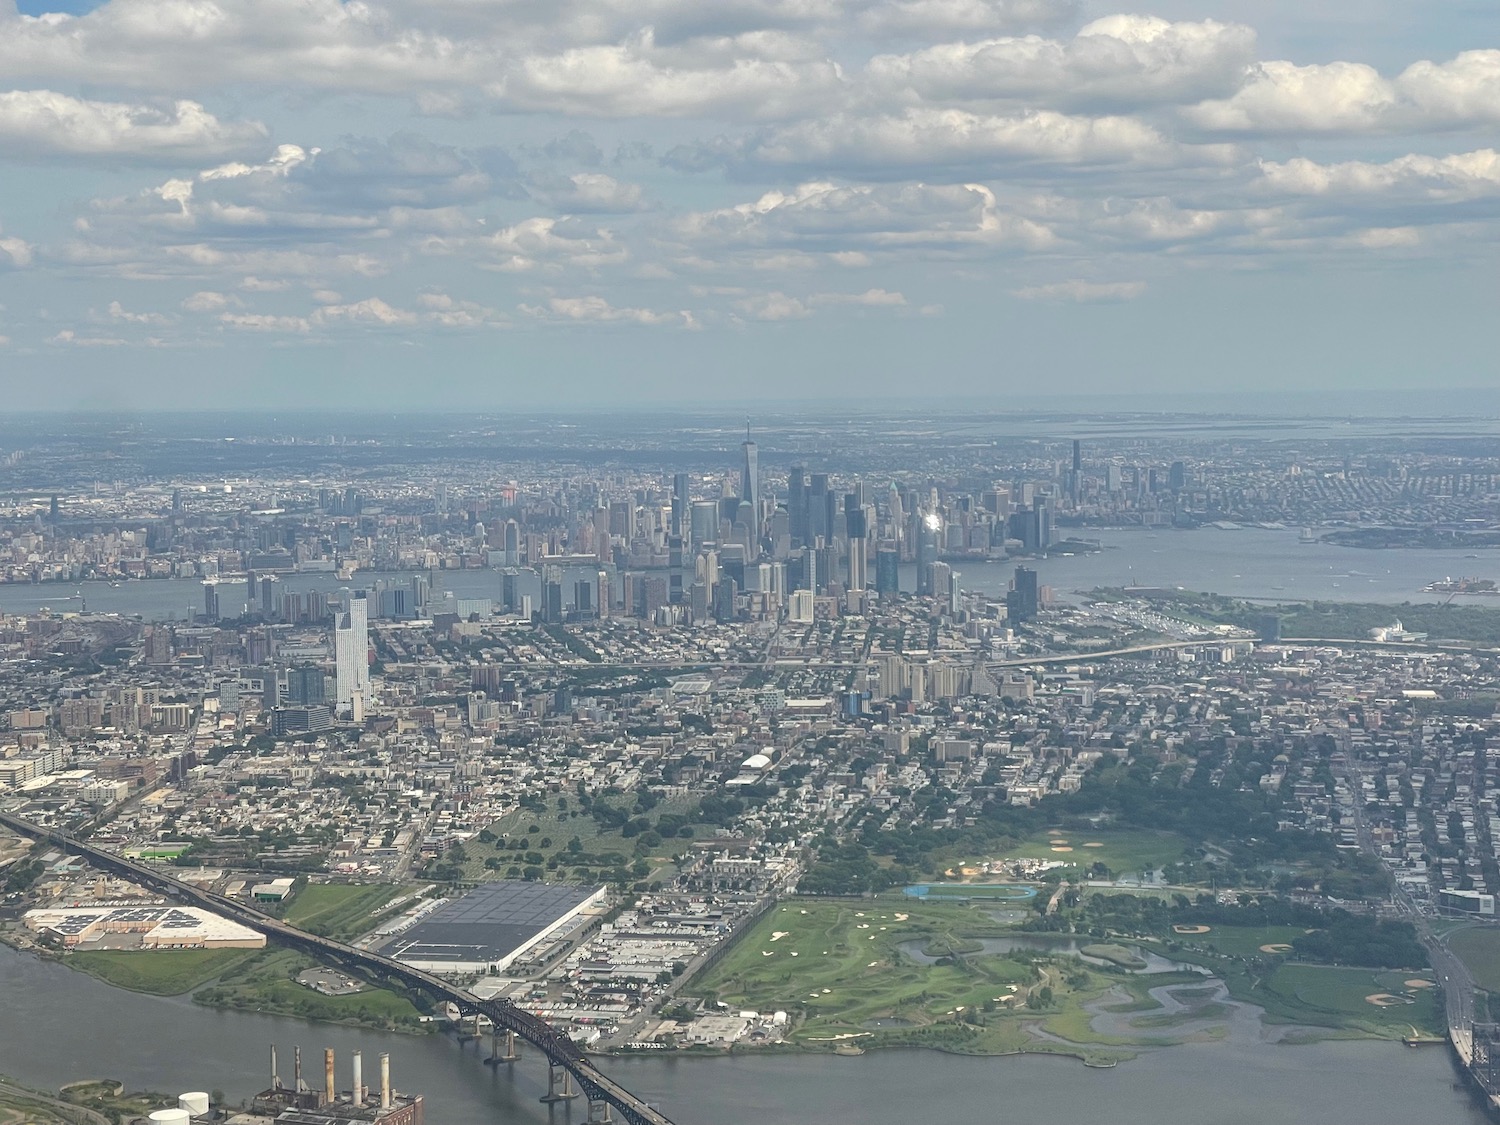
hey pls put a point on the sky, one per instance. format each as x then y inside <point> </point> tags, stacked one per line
<point>641,204</point>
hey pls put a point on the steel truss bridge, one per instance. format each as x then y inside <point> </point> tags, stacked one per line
<point>566,1063</point>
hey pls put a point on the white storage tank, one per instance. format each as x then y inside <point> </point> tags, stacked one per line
<point>195,1103</point>
<point>170,1117</point>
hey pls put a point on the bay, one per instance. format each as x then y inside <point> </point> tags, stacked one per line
<point>59,1026</point>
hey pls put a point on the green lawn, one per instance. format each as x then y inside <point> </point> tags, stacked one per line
<point>1242,941</point>
<point>841,967</point>
<point>1337,997</point>
<point>337,909</point>
<point>1125,851</point>
<point>1479,949</point>
<point>268,984</point>
<point>166,972</point>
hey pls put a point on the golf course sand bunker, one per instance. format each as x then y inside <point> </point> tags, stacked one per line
<point>1191,929</point>
<point>779,934</point>
<point>1061,848</point>
<point>1276,947</point>
<point>1093,844</point>
<point>1418,983</point>
<point>1386,1000</point>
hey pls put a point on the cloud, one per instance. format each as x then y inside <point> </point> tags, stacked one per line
<point>149,44</point>
<point>121,315</point>
<point>777,305</point>
<point>924,139</point>
<point>1344,97</point>
<point>69,338</point>
<point>45,123</point>
<point>587,192</point>
<point>205,300</point>
<point>1457,178</point>
<point>1082,292</point>
<point>1119,61</point>
<point>15,253</point>
<point>596,309</point>
<point>855,223</point>
<point>636,79</point>
<point>540,242</point>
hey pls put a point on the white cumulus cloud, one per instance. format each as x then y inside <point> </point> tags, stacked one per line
<point>46,123</point>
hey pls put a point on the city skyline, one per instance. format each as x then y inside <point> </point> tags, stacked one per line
<point>857,200</point>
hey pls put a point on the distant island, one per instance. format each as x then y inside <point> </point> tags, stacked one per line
<point>1425,538</point>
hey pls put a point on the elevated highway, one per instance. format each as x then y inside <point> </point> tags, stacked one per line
<point>606,1096</point>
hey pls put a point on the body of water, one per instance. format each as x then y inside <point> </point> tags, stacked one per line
<point>1249,563</point>
<point>1244,563</point>
<point>60,1026</point>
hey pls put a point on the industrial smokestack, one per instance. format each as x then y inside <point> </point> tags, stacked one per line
<point>275,1082</point>
<point>358,1090</point>
<point>297,1069</point>
<point>385,1081</point>
<point>328,1074</point>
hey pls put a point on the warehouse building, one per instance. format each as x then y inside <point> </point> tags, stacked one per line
<point>492,926</point>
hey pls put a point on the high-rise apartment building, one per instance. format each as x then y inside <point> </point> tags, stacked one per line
<point>351,649</point>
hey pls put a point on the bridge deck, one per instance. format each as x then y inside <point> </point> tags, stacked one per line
<point>557,1047</point>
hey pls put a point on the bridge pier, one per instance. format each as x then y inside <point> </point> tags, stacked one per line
<point>508,1054</point>
<point>558,1092</point>
<point>476,1034</point>
<point>599,1113</point>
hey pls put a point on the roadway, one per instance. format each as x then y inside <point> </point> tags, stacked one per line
<point>1452,975</point>
<point>559,1049</point>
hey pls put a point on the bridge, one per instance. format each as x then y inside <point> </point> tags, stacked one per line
<point>566,1062</point>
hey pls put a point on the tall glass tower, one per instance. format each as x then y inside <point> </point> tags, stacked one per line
<point>750,480</point>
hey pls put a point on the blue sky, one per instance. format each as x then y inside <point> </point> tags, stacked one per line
<point>414,204</point>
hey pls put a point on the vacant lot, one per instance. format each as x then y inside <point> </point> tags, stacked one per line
<point>167,972</point>
<point>337,909</point>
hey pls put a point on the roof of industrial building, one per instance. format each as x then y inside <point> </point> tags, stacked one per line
<point>489,923</point>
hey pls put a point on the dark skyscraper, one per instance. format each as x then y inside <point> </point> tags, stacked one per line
<point>1177,476</point>
<point>1024,599</point>
<point>796,504</point>
<point>817,509</point>
<point>887,570</point>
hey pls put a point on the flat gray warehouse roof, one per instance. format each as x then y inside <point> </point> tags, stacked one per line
<point>489,923</point>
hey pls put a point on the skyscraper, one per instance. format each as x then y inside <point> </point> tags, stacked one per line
<point>796,505</point>
<point>351,649</point>
<point>679,505</point>
<point>1024,599</point>
<point>887,570</point>
<point>928,524</point>
<point>750,482</point>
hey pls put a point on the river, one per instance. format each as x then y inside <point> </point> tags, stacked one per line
<point>1248,563</point>
<point>60,1025</point>
<point>1243,563</point>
